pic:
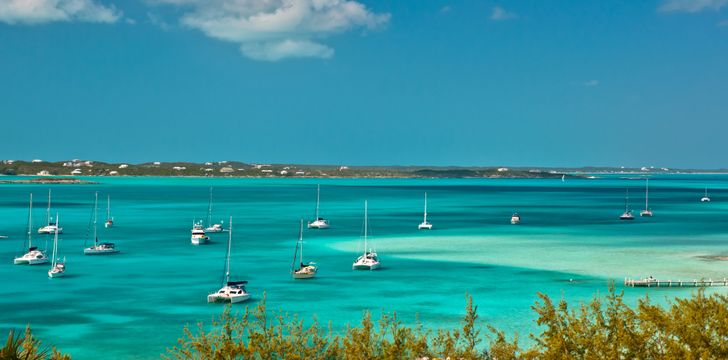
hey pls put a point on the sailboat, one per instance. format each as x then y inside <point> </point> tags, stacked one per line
<point>212,228</point>
<point>231,291</point>
<point>705,198</point>
<point>627,215</point>
<point>368,260</point>
<point>303,270</point>
<point>319,223</point>
<point>425,225</point>
<point>58,268</point>
<point>51,226</point>
<point>105,248</point>
<point>515,219</point>
<point>33,256</point>
<point>109,220</point>
<point>647,211</point>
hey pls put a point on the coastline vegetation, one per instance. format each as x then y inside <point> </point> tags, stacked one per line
<point>605,328</point>
<point>239,169</point>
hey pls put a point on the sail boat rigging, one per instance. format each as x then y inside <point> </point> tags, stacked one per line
<point>302,270</point>
<point>33,256</point>
<point>58,268</point>
<point>105,248</point>
<point>705,198</point>
<point>109,220</point>
<point>368,260</point>
<point>51,225</point>
<point>647,211</point>
<point>231,291</point>
<point>319,222</point>
<point>627,215</point>
<point>212,228</point>
<point>425,225</point>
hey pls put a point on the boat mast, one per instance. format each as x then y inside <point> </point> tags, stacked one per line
<point>209,210</point>
<point>647,194</point>
<point>366,223</point>
<point>30,222</point>
<point>227,260</point>
<point>48,211</point>
<point>626,201</point>
<point>300,239</point>
<point>318,199</point>
<point>55,245</point>
<point>96,215</point>
<point>425,219</point>
<point>706,190</point>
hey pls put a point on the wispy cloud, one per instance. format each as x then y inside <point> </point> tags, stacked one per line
<point>499,14</point>
<point>43,11</point>
<point>277,29</point>
<point>158,21</point>
<point>445,9</point>
<point>722,23</point>
<point>591,83</point>
<point>691,6</point>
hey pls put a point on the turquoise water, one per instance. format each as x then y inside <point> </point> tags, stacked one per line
<point>135,304</point>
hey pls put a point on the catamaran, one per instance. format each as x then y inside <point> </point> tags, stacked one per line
<point>58,268</point>
<point>705,198</point>
<point>647,211</point>
<point>425,225</point>
<point>368,260</point>
<point>198,234</point>
<point>515,218</point>
<point>212,228</point>
<point>627,215</point>
<point>51,226</point>
<point>33,256</point>
<point>109,220</point>
<point>231,291</point>
<point>319,223</point>
<point>303,270</point>
<point>105,248</point>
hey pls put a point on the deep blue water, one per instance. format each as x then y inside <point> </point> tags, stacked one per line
<point>135,304</point>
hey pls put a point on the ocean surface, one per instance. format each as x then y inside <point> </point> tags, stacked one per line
<point>135,304</point>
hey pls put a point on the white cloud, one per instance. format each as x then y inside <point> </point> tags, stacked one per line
<point>498,14</point>
<point>156,20</point>
<point>446,8</point>
<point>591,83</point>
<point>722,23</point>
<point>691,6</point>
<point>277,29</point>
<point>42,11</point>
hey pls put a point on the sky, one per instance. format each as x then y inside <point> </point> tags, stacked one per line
<point>471,83</point>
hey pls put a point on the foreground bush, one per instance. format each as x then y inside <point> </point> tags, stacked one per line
<point>26,347</point>
<point>693,328</point>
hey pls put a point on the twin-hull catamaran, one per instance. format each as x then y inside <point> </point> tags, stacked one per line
<point>627,214</point>
<point>425,225</point>
<point>368,260</point>
<point>705,197</point>
<point>232,291</point>
<point>647,212</point>
<point>319,222</point>
<point>98,248</point>
<point>51,225</point>
<point>212,228</point>
<point>34,256</point>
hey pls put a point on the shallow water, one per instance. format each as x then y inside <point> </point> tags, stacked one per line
<point>135,304</point>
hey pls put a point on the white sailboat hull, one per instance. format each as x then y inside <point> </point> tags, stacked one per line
<point>372,266</point>
<point>49,229</point>
<point>94,251</point>
<point>424,226</point>
<point>32,258</point>
<point>318,224</point>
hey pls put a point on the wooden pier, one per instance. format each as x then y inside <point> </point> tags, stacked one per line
<point>652,282</point>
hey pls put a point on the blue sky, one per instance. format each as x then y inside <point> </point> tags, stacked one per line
<point>521,83</point>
